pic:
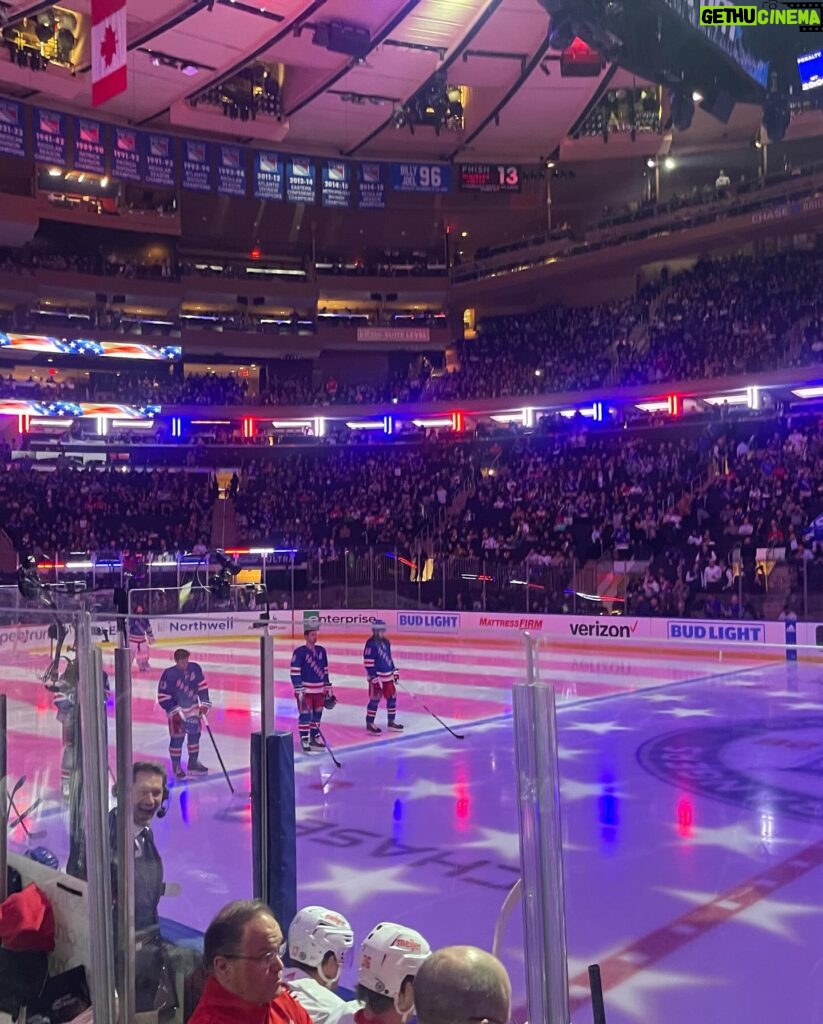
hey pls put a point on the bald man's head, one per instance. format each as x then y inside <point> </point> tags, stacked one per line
<point>462,983</point>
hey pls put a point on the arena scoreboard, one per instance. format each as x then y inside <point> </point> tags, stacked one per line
<point>489,178</point>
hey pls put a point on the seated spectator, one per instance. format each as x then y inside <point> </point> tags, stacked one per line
<point>462,983</point>
<point>241,954</point>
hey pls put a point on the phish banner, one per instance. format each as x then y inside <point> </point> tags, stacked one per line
<point>12,132</point>
<point>231,171</point>
<point>89,146</point>
<point>49,137</point>
<point>196,166</point>
<point>268,176</point>
<point>125,155</point>
<point>301,181</point>
<point>159,155</point>
<point>335,184</point>
<point>371,187</point>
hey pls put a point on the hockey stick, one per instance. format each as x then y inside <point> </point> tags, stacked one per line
<point>448,728</point>
<point>219,758</point>
<point>329,750</point>
<point>21,820</point>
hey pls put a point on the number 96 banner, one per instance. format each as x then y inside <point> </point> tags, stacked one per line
<point>421,177</point>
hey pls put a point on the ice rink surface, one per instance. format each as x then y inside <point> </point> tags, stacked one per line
<point>692,810</point>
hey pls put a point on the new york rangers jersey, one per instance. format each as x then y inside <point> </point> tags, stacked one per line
<point>377,658</point>
<point>310,669</point>
<point>140,629</point>
<point>184,691</point>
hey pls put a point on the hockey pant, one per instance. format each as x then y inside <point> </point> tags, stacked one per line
<point>310,708</point>
<point>381,686</point>
<point>140,651</point>
<point>177,731</point>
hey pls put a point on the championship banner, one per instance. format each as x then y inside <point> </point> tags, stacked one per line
<point>196,166</point>
<point>89,146</point>
<point>108,50</point>
<point>159,156</point>
<point>125,155</point>
<point>301,181</point>
<point>12,132</point>
<point>371,187</point>
<point>335,185</point>
<point>231,171</point>
<point>268,176</point>
<point>49,137</point>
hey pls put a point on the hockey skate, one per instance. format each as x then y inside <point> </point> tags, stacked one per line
<point>317,741</point>
<point>196,768</point>
<point>306,745</point>
<point>371,727</point>
<point>396,726</point>
<point>177,771</point>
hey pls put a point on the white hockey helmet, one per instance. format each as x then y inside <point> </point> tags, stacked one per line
<point>315,932</point>
<point>388,955</point>
<point>379,626</point>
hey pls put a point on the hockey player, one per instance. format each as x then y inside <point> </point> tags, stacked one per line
<point>312,689</point>
<point>382,677</point>
<point>140,637</point>
<point>184,695</point>
<point>390,957</point>
<point>319,942</point>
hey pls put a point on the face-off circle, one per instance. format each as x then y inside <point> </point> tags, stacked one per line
<point>739,763</point>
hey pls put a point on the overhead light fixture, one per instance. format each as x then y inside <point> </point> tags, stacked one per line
<point>697,97</point>
<point>669,163</point>
<point>650,162</point>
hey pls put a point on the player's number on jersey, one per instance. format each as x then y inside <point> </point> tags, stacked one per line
<point>430,177</point>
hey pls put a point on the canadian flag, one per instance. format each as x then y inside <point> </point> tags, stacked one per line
<point>108,49</point>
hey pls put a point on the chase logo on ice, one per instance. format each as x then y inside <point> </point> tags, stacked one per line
<point>717,632</point>
<point>436,621</point>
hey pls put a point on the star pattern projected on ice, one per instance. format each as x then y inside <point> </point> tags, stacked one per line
<point>108,46</point>
<point>571,790</point>
<point>423,789</point>
<point>569,754</point>
<point>351,886</point>
<point>430,751</point>
<point>737,838</point>
<point>504,843</point>
<point>768,915</point>
<point>598,728</point>
<point>662,698</point>
<point>687,712</point>
<point>630,997</point>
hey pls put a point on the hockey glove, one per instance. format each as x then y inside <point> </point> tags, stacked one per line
<point>330,701</point>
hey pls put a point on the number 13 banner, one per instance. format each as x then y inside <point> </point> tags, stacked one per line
<point>108,50</point>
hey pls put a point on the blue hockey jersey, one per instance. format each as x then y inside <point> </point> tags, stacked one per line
<point>377,658</point>
<point>140,628</point>
<point>310,669</point>
<point>183,691</point>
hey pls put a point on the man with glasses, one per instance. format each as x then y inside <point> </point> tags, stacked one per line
<point>320,941</point>
<point>242,954</point>
<point>462,985</point>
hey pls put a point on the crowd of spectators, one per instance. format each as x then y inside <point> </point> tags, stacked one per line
<point>720,318</point>
<point>106,512</point>
<point>729,316</point>
<point>696,509</point>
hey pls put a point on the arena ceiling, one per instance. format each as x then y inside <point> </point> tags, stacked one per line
<point>517,105</point>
